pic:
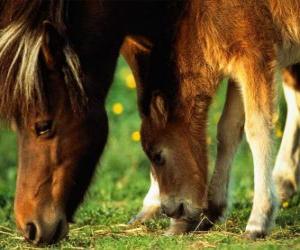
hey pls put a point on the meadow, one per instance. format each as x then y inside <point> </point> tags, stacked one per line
<point>122,180</point>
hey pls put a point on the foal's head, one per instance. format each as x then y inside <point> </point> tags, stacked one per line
<point>176,149</point>
<point>58,149</point>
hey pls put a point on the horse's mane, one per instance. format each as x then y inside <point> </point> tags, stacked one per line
<point>21,39</point>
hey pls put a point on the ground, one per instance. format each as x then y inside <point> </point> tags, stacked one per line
<point>122,181</point>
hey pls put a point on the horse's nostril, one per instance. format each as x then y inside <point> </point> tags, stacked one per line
<point>49,234</point>
<point>30,231</point>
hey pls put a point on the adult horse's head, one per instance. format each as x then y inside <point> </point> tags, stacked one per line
<point>47,72</point>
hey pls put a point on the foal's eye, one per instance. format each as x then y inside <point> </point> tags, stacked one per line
<point>158,159</point>
<point>43,128</point>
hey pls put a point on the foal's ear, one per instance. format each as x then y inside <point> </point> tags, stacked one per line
<point>158,110</point>
<point>52,46</point>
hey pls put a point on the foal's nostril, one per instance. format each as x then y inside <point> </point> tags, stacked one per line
<point>30,231</point>
<point>180,210</point>
<point>174,213</point>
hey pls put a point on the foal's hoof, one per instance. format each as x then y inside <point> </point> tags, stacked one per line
<point>254,235</point>
<point>134,220</point>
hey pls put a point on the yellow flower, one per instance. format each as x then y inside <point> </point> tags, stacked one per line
<point>124,72</point>
<point>285,204</point>
<point>278,133</point>
<point>130,82</point>
<point>118,108</point>
<point>136,136</point>
<point>208,140</point>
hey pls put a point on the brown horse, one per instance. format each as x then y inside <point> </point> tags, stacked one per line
<point>286,173</point>
<point>189,47</point>
<point>57,60</point>
<point>247,41</point>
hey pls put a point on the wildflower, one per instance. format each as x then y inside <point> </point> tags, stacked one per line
<point>130,82</point>
<point>278,133</point>
<point>285,204</point>
<point>208,140</point>
<point>124,72</point>
<point>118,108</point>
<point>136,136</point>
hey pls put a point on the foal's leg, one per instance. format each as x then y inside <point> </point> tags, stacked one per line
<point>286,171</point>
<point>257,88</point>
<point>230,132</point>
<point>151,203</point>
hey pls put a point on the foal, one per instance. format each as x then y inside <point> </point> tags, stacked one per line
<point>247,41</point>
<point>287,167</point>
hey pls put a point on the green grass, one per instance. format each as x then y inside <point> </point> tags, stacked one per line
<point>121,183</point>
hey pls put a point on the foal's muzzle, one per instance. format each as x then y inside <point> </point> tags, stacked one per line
<point>180,209</point>
<point>175,213</point>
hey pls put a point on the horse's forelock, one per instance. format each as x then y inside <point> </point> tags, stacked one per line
<point>20,67</point>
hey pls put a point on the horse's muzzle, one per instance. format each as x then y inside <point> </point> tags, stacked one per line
<point>50,232</point>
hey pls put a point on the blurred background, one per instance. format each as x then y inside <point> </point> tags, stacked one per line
<point>122,177</point>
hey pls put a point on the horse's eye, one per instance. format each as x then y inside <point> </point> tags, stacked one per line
<point>43,128</point>
<point>158,159</point>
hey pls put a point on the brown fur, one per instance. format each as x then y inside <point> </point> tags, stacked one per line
<point>21,44</point>
<point>180,50</point>
<point>245,40</point>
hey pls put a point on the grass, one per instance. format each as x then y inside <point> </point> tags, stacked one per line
<point>122,181</point>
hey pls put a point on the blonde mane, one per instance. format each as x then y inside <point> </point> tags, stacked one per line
<point>20,67</point>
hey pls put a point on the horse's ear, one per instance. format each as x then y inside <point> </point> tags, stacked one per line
<point>158,110</point>
<point>52,46</point>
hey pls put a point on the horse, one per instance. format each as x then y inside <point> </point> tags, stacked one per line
<point>57,60</point>
<point>246,41</point>
<point>57,101</point>
<point>285,173</point>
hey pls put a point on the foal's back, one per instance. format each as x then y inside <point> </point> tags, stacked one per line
<point>229,29</point>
